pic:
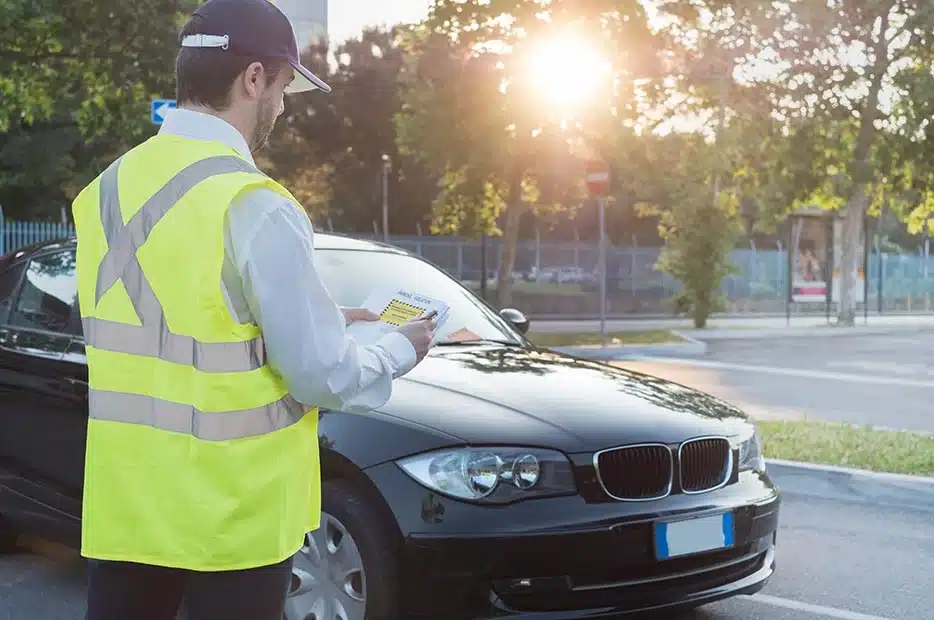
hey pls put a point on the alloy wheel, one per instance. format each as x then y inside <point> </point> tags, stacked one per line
<point>328,580</point>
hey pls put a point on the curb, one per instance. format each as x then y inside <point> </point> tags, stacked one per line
<point>851,471</point>
<point>853,485</point>
<point>690,348</point>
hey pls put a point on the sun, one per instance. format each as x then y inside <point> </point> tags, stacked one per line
<point>566,71</point>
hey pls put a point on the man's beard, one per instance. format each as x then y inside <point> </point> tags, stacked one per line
<point>265,122</point>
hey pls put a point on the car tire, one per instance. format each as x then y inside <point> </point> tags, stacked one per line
<point>9,539</point>
<point>349,509</point>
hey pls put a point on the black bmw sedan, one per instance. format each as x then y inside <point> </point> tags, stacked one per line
<point>501,480</point>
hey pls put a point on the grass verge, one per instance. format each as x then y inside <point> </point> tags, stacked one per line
<point>570,339</point>
<point>897,452</point>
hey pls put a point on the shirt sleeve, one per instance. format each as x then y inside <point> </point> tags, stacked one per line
<point>303,328</point>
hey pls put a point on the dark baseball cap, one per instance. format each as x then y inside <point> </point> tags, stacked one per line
<point>255,27</point>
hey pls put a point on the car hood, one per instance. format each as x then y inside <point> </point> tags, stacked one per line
<point>513,395</point>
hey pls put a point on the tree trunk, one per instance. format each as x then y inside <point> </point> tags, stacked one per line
<point>701,311</point>
<point>862,177</point>
<point>850,242</point>
<point>510,245</point>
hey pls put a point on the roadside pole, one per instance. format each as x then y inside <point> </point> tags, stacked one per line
<point>598,184</point>
<point>387,166</point>
<point>483,266</point>
<point>601,205</point>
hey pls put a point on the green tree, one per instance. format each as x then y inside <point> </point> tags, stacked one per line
<point>830,74</point>
<point>471,101</point>
<point>330,147</point>
<point>76,78</point>
<point>697,220</point>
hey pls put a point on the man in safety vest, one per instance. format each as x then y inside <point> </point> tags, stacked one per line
<point>211,341</point>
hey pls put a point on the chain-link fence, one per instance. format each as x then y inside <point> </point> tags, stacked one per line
<point>561,278</point>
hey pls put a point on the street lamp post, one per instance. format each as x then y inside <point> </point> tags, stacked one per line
<point>387,166</point>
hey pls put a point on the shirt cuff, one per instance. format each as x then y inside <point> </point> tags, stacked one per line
<point>401,352</point>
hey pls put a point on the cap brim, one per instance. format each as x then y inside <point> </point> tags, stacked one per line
<point>305,81</point>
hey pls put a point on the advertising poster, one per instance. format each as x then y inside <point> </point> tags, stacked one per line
<point>810,256</point>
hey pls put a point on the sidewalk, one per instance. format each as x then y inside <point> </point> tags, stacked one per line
<point>746,328</point>
<point>733,327</point>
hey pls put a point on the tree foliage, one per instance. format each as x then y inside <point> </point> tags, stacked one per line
<point>472,103</point>
<point>714,114</point>
<point>338,141</point>
<point>832,78</point>
<point>696,204</point>
<point>76,78</point>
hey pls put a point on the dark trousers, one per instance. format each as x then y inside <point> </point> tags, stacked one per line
<point>126,591</point>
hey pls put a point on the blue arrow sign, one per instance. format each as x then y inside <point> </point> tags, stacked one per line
<point>158,109</point>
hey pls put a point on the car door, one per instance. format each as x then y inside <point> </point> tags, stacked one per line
<point>43,414</point>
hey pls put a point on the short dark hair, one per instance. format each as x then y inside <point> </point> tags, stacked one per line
<point>204,76</point>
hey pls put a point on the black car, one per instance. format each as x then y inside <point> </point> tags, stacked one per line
<point>501,480</point>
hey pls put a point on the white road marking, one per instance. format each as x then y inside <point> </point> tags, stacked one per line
<point>788,372</point>
<point>820,610</point>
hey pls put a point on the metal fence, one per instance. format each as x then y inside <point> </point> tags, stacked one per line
<point>14,234</point>
<point>554,278</point>
<point>896,282</point>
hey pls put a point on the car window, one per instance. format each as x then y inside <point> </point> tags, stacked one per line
<point>9,281</point>
<point>351,275</point>
<point>48,294</point>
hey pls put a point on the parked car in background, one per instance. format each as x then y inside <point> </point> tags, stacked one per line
<point>500,480</point>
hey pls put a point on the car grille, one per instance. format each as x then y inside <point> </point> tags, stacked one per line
<point>705,464</point>
<point>639,473</point>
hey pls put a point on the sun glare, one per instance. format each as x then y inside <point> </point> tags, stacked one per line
<point>567,71</point>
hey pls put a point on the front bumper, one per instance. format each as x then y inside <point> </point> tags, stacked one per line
<point>567,558</point>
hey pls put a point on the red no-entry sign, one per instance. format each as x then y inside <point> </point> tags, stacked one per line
<point>598,178</point>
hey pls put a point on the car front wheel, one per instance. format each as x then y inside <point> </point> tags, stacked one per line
<point>346,570</point>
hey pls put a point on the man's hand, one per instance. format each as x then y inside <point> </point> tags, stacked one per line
<point>351,315</point>
<point>420,333</point>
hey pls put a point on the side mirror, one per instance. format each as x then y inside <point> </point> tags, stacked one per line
<point>518,320</point>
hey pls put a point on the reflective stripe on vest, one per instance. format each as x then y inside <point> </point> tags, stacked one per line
<point>180,418</point>
<point>120,263</point>
<point>153,337</point>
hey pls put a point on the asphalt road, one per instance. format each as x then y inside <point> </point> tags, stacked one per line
<point>878,380</point>
<point>837,559</point>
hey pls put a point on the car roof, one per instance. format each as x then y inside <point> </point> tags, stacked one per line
<point>323,241</point>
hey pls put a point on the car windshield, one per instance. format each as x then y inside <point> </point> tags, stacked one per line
<point>351,275</point>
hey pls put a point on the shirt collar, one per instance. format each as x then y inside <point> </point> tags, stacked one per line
<point>200,126</point>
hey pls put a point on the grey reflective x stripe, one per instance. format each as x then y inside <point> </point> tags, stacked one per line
<point>178,418</point>
<point>153,338</point>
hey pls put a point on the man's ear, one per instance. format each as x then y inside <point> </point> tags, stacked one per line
<point>254,79</point>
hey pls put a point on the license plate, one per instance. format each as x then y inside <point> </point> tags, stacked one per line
<point>677,538</point>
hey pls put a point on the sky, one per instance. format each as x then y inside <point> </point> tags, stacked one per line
<point>347,18</point>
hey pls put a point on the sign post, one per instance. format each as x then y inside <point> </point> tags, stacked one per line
<point>158,109</point>
<point>598,185</point>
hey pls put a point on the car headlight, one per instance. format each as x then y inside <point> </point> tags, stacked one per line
<point>750,450</point>
<point>493,475</point>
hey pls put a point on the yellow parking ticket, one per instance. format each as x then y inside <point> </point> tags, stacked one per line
<point>398,312</point>
<point>396,307</point>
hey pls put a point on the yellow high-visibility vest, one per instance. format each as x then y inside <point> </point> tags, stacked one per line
<point>197,457</point>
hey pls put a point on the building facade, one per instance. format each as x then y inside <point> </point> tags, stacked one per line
<point>309,19</point>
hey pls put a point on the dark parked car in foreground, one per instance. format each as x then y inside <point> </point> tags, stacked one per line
<point>501,480</point>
